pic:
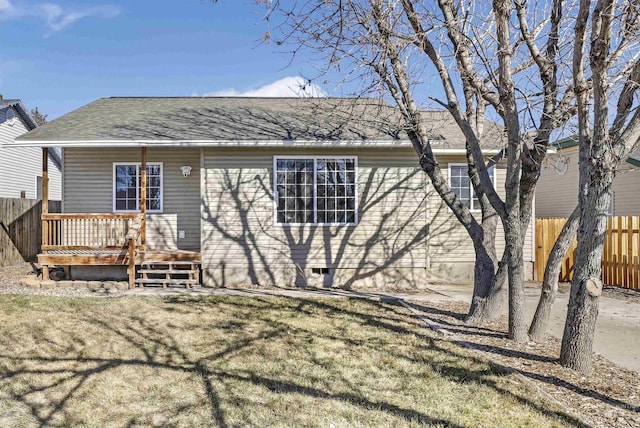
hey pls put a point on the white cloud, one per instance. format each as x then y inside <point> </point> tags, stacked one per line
<point>6,9</point>
<point>54,16</point>
<point>57,19</point>
<point>292,86</point>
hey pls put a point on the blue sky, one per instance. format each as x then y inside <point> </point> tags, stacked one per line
<point>59,55</point>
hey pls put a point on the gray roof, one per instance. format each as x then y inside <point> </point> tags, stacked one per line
<point>245,119</point>
<point>22,111</point>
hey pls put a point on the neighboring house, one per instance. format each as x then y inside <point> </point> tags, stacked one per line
<point>557,190</point>
<point>270,191</point>
<point>21,167</point>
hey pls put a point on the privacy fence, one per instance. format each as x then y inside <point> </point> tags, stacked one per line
<point>620,257</point>
<point>21,229</point>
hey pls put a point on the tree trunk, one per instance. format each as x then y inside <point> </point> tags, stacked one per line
<point>489,295</point>
<point>586,287</point>
<point>515,276</point>
<point>551,274</point>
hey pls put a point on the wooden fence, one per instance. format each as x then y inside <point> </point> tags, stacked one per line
<point>21,229</point>
<point>620,257</point>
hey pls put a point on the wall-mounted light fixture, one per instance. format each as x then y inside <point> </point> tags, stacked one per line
<point>186,170</point>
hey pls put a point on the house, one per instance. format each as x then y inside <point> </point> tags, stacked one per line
<point>322,191</point>
<point>21,167</point>
<point>557,190</point>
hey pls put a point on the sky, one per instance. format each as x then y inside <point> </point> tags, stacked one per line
<point>59,55</point>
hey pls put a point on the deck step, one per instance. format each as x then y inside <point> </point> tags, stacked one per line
<point>161,281</point>
<point>175,263</point>
<point>169,271</point>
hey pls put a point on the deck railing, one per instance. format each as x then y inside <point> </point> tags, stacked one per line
<point>88,231</point>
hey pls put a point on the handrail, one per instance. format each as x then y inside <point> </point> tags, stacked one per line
<point>88,231</point>
<point>90,216</point>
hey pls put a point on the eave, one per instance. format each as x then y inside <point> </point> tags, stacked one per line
<point>237,143</point>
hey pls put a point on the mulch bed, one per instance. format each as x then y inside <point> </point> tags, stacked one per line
<point>608,397</point>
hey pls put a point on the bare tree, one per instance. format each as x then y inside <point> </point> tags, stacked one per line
<point>611,59</point>
<point>485,66</point>
<point>38,117</point>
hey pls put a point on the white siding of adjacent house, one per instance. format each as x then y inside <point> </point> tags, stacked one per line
<point>88,181</point>
<point>557,195</point>
<point>20,166</point>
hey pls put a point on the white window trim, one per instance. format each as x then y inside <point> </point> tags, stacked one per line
<point>36,189</point>
<point>138,164</point>
<point>471,190</point>
<point>315,200</point>
<point>612,206</point>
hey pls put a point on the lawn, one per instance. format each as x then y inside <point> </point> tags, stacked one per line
<point>238,361</point>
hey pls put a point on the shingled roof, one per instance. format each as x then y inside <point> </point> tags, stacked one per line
<point>221,120</point>
<point>21,109</point>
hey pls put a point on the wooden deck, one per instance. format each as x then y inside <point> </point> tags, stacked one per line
<point>108,257</point>
<point>80,239</point>
<point>112,240</point>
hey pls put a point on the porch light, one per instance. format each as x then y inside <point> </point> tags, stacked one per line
<point>186,170</point>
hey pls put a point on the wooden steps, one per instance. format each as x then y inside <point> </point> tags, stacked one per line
<point>168,273</point>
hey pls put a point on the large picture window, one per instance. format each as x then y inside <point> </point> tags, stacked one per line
<point>461,184</point>
<point>126,187</point>
<point>318,190</point>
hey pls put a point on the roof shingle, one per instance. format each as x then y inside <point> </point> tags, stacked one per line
<point>248,119</point>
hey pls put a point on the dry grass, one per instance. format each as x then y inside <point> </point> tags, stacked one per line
<point>233,361</point>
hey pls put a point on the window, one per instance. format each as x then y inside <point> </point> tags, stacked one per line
<point>612,204</point>
<point>126,187</point>
<point>461,184</point>
<point>315,190</point>
<point>38,187</point>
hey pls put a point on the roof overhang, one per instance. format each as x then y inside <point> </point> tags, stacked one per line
<point>238,143</point>
<point>23,112</point>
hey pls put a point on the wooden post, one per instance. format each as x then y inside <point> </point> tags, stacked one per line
<point>132,264</point>
<point>45,205</point>
<point>143,199</point>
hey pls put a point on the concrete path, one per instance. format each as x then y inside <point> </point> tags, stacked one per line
<point>617,331</point>
<point>617,334</point>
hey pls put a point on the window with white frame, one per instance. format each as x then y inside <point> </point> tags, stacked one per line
<point>612,204</point>
<point>461,184</point>
<point>126,187</point>
<point>315,190</point>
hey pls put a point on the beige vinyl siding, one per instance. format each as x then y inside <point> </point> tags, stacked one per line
<point>557,195</point>
<point>88,181</point>
<point>242,243</point>
<point>449,242</point>
<point>626,190</point>
<point>20,166</point>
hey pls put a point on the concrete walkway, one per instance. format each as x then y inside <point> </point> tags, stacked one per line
<point>617,334</point>
<point>617,331</point>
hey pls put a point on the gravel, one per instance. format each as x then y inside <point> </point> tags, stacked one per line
<point>10,283</point>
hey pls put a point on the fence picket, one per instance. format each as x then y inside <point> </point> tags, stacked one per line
<point>21,229</point>
<point>620,256</point>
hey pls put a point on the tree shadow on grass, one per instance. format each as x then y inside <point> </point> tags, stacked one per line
<point>65,373</point>
<point>448,318</point>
